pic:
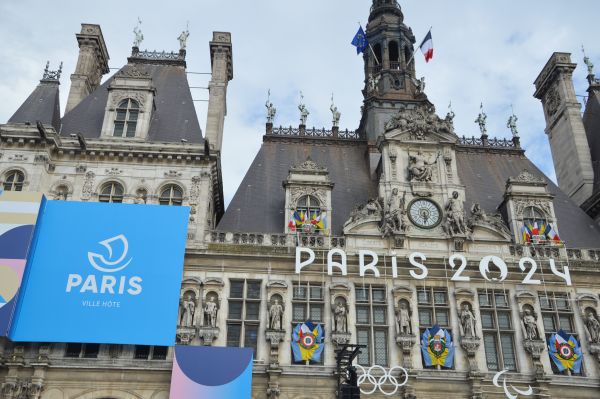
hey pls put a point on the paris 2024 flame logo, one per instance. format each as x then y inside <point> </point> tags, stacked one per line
<point>109,282</point>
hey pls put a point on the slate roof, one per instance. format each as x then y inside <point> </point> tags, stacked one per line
<point>43,104</point>
<point>258,205</point>
<point>173,119</point>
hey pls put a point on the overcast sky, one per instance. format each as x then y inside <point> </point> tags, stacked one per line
<point>485,51</point>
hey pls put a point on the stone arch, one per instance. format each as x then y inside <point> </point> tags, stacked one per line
<point>107,394</point>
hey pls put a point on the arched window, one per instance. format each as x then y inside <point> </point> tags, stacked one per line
<point>377,50</point>
<point>308,217</point>
<point>536,227</point>
<point>308,204</point>
<point>111,192</point>
<point>394,55</point>
<point>171,195</point>
<point>14,180</point>
<point>126,118</point>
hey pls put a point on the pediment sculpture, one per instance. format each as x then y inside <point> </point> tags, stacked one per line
<point>419,121</point>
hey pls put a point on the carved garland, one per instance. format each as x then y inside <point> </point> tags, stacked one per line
<point>298,192</point>
<point>520,206</point>
<point>119,96</point>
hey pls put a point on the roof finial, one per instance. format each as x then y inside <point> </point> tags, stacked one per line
<point>481,120</point>
<point>336,115</point>
<point>587,62</point>
<point>271,110</point>
<point>303,110</point>
<point>52,75</point>
<point>183,37</point>
<point>450,115</point>
<point>512,123</point>
<point>138,35</point>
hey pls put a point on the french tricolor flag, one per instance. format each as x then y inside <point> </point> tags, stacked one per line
<point>427,47</point>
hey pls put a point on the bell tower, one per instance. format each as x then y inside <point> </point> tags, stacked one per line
<point>390,77</point>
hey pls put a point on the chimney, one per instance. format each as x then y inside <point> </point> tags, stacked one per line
<point>222,72</point>
<point>91,65</point>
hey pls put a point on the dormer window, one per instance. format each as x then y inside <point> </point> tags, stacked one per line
<point>308,217</point>
<point>126,118</point>
<point>14,181</point>
<point>111,192</point>
<point>536,228</point>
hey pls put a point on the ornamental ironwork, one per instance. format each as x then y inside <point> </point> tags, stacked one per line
<point>316,133</point>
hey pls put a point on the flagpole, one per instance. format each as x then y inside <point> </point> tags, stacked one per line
<point>414,52</point>
<point>374,55</point>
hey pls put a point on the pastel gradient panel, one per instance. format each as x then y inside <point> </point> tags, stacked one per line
<point>18,215</point>
<point>211,373</point>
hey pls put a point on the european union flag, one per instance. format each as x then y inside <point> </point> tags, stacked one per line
<point>360,41</point>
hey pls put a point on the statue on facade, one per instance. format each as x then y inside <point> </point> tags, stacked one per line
<point>481,121</point>
<point>587,62</point>
<point>467,321</point>
<point>395,219</point>
<point>403,320</point>
<point>183,39</point>
<point>478,214</point>
<point>373,82</point>
<point>138,36</point>
<point>303,110</point>
<point>373,207</point>
<point>420,85</point>
<point>189,309</point>
<point>512,125</point>
<point>271,110</point>
<point>341,317</point>
<point>450,115</point>
<point>420,168</point>
<point>529,323</point>
<point>210,312</point>
<point>276,315</point>
<point>336,115</point>
<point>593,326</point>
<point>455,216</point>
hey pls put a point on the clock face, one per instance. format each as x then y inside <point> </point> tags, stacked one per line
<point>424,213</point>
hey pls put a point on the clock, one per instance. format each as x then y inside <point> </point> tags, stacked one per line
<point>424,213</point>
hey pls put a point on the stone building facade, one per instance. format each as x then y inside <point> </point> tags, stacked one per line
<point>438,211</point>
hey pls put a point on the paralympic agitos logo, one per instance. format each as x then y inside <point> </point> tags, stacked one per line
<point>108,282</point>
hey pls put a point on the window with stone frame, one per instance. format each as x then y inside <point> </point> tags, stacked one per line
<point>171,195</point>
<point>498,330</point>
<point>111,192</point>
<point>148,352</point>
<point>558,314</point>
<point>434,308</point>
<point>243,317</point>
<point>126,118</point>
<point>86,351</point>
<point>372,324</point>
<point>307,303</point>
<point>14,180</point>
<point>308,217</point>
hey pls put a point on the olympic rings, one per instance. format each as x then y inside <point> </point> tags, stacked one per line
<point>379,381</point>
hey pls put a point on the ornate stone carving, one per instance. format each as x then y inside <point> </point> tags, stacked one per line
<point>455,216</point>
<point>131,71</point>
<point>419,121</point>
<point>420,168</point>
<point>340,314</point>
<point>471,344</point>
<point>527,177</point>
<point>173,174</point>
<point>535,348</point>
<point>113,171</point>
<point>88,186</point>
<point>521,204</point>
<point>185,335</point>
<point>297,192</point>
<point>274,337</point>
<point>80,169</point>
<point>309,165</point>
<point>395,220</point>
<point>529,323</point>
<point>340,338</point>
<point>552,101</point>
<point>480,218</point>
<point>188,305</point>
<point>406,343</point>
<point>372,209</point>
<point>403,322</point>
<point>208,334</point>
<point>18,158</point>
<point>592,325</point>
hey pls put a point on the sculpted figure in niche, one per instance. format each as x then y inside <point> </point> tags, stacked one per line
<point>529,322</point>
<point>455,216</point>
<point>341,317</point>
<point>276,315</point>
<point>420,168</point>
<point>403,319</point>
<point>189,309</point>
<point>467,321</point>
<point>593,326</point>
<point>210,312</point>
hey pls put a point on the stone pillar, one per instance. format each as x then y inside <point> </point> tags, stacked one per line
<point>564,127</point>
<point>91,64</point>
<point>222,72</point>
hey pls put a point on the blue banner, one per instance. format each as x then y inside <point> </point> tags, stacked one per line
<point>103,273</point>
